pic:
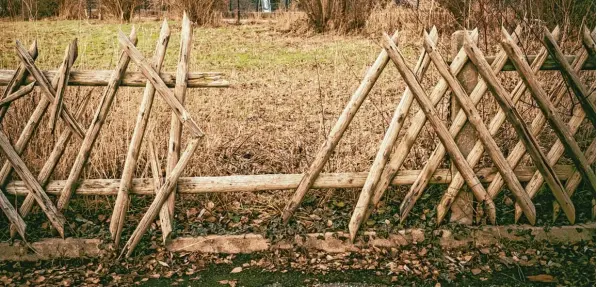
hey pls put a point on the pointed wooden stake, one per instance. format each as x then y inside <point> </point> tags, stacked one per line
<point>18,78</point>
<point>70,54</point>
<point>21,92</point>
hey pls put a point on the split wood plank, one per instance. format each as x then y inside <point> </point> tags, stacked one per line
<point>18,78</point>
<point>385,149</point>
<point>21,92</point>
<point>437,156</point>
<point>70,54</point>
<point>95,127</point>
<point>95,78</point>
<point>571,77</point>
<point>160,198</point>
<point>48,168</point>
<point>587,40</point>
<point>574,180</point>
<point>403,148</point>
<point>269,182</point>
<point>336,133</point>
<point>183,115</point>
<point>468,106</point>
<point>48,90</point>
<point>122,200</point>
<point>549,110</point>
<point>522,130</point>
<point>554,154</point>
<point>442,132</point>
<point>174,142</point>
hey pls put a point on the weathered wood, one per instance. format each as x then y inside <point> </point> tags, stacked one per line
<point>549,110</point>
<point>156,168</point>
<point>550,64</point>
<point>21,92</point>
<point>13,216</point>
<point>554,154</point>
<point>418,121</point>
<point>442,132</point>
<point>160,86</point>
<point>571,77</point>
<point>483,133</point>
<point>49,90</point>
<point>70,54</point>
<point>587,40</point>
<point>438,154</point>
<point>522,130</point>
<point>387,145</point>
<point>48,168</point>
<point>56,218</point>
<point>17,78</point>
<point>95,127</point>
<point>96,78</point>
<point>52,249</point>
<point>174,142</point>
<point>268,182</point>
<point>337,131</point>
<point>122,200</point>
<point>160,198</point>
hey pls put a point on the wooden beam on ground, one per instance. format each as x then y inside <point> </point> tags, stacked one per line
<point>337,131</point>
<point>134,149</point>
<point>17,78</point>
<point>522,130</point>
<point>21,92</point>
<point>483,133</point>
<point>571,77</point>
<point>174,142</point>
<point>549,110</point>
<point>96,78</point>
<point>160,198</point>
<point>268,182</point>
<point>95,127</point>
<point>70,55</point>
<point>442,132</point>
<point>385,149</point>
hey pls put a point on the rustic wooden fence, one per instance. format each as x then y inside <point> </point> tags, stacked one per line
<point>385,169</point>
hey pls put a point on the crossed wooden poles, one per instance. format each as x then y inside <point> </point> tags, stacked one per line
<point>54,97</point>
<point>390,156</point>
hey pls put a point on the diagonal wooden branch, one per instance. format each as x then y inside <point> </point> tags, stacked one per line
<point>403,148</point>
<point>441,130</point>
<point>336,133</point>
<point>468,106</point>
<point>122,200</point>
<point>18,78</point>
<point>574,180</point>
<point>549,110</point>
<point>522,130</point>
<point>95,127</point>
<point>21,92</point>
<point>160,198</point>
<point>571,77</point>
<point>48,168</point>
<point>70,54</point>
<point>174,143</point>
<point>587,40</point>
<point>49,90</point>
<point>56,218</point>
<point>156,168</point>
<point>183,115</point>
<point>387,145</point>
<point>13,216</point>
<point>437,156</point>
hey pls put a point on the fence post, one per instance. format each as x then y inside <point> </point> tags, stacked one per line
<point>462,208</point>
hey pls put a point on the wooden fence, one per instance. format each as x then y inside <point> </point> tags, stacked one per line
<point>385,169</point>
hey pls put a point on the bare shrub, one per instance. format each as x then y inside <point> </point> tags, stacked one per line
<point>122,9</point>
<point>71,9</point>
<point>202,12</point>
<point>338,15</point>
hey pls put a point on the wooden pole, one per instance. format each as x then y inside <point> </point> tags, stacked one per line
<point>160,198</point>
<point>174,142</point>
<point>523,132</point>
<point>18,78</point>
<point>95,127</point>
<point>21,92</point>
<point>571,77</point>
<point>403,148</point>
<point>13,216</point>
<point>129,79</point>
<point>483,133</point>
<point>122,200</point>
<point>70,54</point>
<point>336,133</point>
<point>549,110</point>
<point>427,107</point>
<point>588,41</point>
<point>386,146</point>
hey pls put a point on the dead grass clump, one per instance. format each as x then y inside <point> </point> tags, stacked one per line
<point>338,15</point>
<point>202,12</point>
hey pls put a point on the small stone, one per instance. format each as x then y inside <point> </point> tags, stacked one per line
<point>476,271</point>
<point>236,270</point>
